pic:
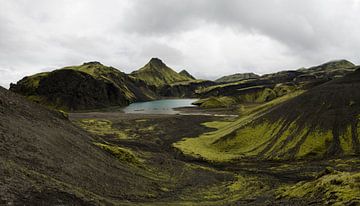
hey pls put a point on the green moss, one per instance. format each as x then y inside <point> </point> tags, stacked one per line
<point>337,188</point>
<point>101,127</point>
<point>316,144</point>
<point>257,94</point>
<point>64,114</point>
<point>122,154</point>
<point>283,89</point>
<point>245,138</point>
<point>216,124</point>
<point>29,85</point>
<point>109,74</point>
<point>247,186</point>
<point>346,142</point>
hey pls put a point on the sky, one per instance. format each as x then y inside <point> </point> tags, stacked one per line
<point>209,38</point>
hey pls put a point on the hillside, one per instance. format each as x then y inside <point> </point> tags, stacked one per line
<point>88,86</point>
<point>271,86</point>
<point>158,74</point>
<point>320,123</point>
<point>237,77</point>
<point>46,160</point>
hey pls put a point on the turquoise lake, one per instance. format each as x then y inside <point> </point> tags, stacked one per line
<point>164,106</point>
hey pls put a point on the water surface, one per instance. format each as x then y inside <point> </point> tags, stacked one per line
<point>164,106</point>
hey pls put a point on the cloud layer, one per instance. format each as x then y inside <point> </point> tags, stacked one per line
<point>210,38</point>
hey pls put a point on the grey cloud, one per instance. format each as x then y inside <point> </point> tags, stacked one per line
<point>208,37</point>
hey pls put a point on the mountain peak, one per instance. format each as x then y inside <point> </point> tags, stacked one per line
<point>156,62</point>
<point>157,73</point>
<point>92,63</point>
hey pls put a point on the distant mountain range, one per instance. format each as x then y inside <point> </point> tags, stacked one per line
<point>93,85</point>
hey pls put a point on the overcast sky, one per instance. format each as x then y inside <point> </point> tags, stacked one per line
<point>209,38</point>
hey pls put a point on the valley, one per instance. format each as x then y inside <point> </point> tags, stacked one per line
<point>93,135</point>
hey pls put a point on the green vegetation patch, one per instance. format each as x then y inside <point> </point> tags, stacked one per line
<point>256,94</point>
<point>101,127</point>
<point>122,154</point>
<point>337,188</point>
<point>316,144</point>
<point>236,139</point>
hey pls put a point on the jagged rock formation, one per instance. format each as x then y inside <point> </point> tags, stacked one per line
<point>187,74</point>
<point>157,74</point>
<point>237,77</point>
<point>88,86</point>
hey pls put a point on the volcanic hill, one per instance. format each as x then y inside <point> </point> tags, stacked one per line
<point>319,123</point>
<point>88,86</point>
<point>158,74</point>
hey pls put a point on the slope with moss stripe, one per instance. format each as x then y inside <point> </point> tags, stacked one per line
<point>320,123</point>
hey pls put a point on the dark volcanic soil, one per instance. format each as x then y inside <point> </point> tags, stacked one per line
<point>151,136</point>
<point>46,160</point>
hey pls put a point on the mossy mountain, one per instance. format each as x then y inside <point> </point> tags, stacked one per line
<point>158,74</point>
<point>93,85</point>
<point>271,86</point>
<point>319,123</point>
<point>88,86</point>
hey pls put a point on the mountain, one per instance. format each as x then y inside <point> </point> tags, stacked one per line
<point>319,123</point>
<point>156,73</point>
<point>187,74</point>
<point>271,86</point>
<point>46,160</point>
<point>330,66</point>
<point>237,77</point>
<point>88,86</point>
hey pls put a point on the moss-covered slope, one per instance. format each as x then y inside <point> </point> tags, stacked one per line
<point>156,73</point>
<point>320,123</point>
<point>267,87</point>
<point>88,86</point>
